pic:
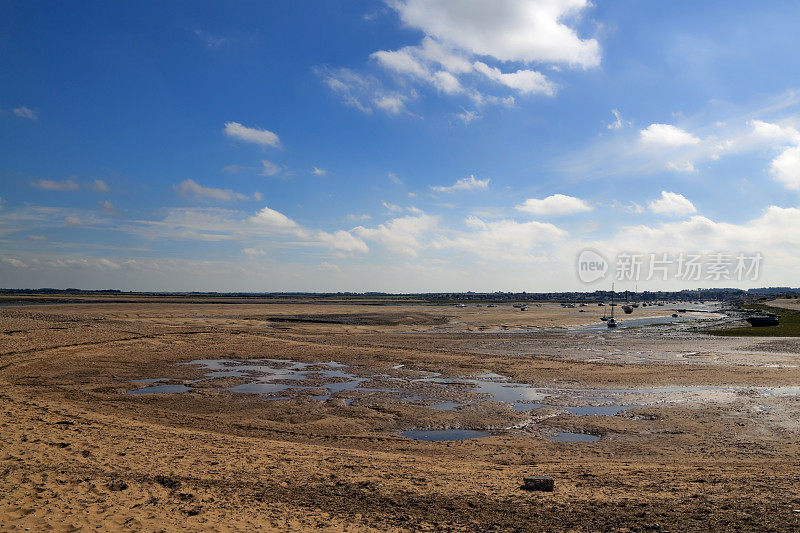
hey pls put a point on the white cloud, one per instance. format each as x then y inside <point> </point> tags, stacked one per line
<point>329,266</point>
<point>392,207</point>
<point>319,171</point>
<point>100,186</point>
<point>468,40</point>
<point>464,184</point>
<point>507,30</point>
<point>447,83</point>
<point>394,179</point>
<point>353,217</point>
<point>16,263</point>
<point>681,166</point>
<point>774,132</point>
<point>253,251</point>
<point>786,168</point>
<point>667,135</point>
<point>391,104</point>
<point>672,204</point>
<point>51,185</point>
<point>107,263</point>
<point>554,205</point>
<point>271,218</point>
<point>252,135</point>
<point>362,92</point>
<point>400,235</point>
<point>704,138</point>
<point>618,122</point>
<point>524,81</point>
<point>468,116</point>
<point>268,168</point>
<point>25,112</point>
<point>192,188</point>
<point>342,241</point>
<point>504,239</point>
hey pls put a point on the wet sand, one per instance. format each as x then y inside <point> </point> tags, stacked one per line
<point>710,447</point>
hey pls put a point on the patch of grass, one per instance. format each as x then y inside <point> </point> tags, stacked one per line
<point>789,326</point>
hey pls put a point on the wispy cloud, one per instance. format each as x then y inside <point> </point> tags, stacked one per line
<point>192,188</point>
<point>252,135</point>
<point>99,186</point>
<point>464,184</point>
<point>211,41</point>
<point>52,185</point>
<point>25,112</point>
<point>268,168</point>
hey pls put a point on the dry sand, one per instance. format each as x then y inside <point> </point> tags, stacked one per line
<point>80,453</point>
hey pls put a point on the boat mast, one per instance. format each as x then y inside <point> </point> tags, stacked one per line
<point>612,299</point>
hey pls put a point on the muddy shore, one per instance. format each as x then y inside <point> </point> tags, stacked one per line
<point>710,440</point>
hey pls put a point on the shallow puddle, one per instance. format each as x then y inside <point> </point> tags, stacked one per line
<point>161,389</point>
<point>443,434</point>
<point>323,381</point>
<point>568,436</point>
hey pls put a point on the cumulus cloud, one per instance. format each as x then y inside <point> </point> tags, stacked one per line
<point>786,168</point>
<point>52,185</point>
<point>554,205</point>
<point>509,30</point>
<point>192,188</point>
<point>774,132</point>
<point>464,184</point>
<point>25,112</point>
<point>342,241</point>
<point>667,135</point>
<point>466,42</point>
<point>252,135</point>
<point>400,235</point>
<point>672,204</point>
<point>275,219</point>
<point>503,239</point>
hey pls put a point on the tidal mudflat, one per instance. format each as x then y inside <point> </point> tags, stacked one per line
<point>233,415</point>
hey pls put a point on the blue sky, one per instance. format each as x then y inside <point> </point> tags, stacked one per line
<point>410,145</point>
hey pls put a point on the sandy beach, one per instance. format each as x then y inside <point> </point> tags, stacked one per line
<point>293,416</point>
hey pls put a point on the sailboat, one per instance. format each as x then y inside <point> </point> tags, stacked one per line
<point>628,308</point>
<point>612,322</point>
